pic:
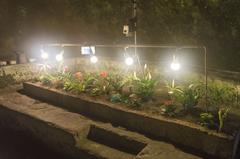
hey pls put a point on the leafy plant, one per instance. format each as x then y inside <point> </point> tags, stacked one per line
<point>116,98</point>
<point>91,86</point>
<point>190,96</point>
<point>169,108</point>
<point>144,86</point>
<point>172,87</point>
<point>145,89</point>
<point>207,120</point>
<point>137,89</point>
<point>133,100</point>
<point>116,82</point>
<point>220,94</point>
<point>222,114</point>
<point>46,79</point>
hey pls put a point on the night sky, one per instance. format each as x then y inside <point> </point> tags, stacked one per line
<point>212,23</point>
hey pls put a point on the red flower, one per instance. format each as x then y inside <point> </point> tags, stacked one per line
<point>104,74</point>
<point>78,75</point>
<point>168,102</point>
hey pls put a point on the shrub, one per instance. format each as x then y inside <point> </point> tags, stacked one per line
<point>220,94</point>
<point>190,95</point>
<point>46,79</point>
<point>115,98</point>
<point>207,120</point>
<point>169,108</point>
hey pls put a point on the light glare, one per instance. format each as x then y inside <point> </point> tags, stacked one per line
<point>59,57</point>
<point>94,59</point>
<point>175,66</point>
<point>44,55</point>
<point>129,61</point>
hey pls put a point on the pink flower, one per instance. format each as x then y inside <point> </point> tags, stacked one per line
<point>65,69</point>
<point>104,74</point>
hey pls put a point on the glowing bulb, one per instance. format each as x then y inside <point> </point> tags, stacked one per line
<point>59,57</point>
<point>94,59</point>
<point>175,66</point>
<point>129,61</point>
<point>31,60</point>
<point>44,55</point>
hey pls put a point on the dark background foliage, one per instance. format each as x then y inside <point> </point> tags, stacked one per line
<point>214,23</point>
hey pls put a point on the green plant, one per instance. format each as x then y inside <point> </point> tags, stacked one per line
<point>116,98</point>
<point>91,84</point>
<point>116,82</point>
<point>47,79</point>
<point>220,94</point>
<point>169,108</point>
<point>143,86</point>
<point>72,83</point>
<point>133,100</point>
<point>173,88</point>
<point>222,114</point>
<point>190,95</point>
<point>207,120</point>
<point>137,89</point>
<point>145,89</point>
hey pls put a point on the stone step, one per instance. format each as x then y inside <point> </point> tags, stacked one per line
<point>103,151</point>
<point>78,136</point>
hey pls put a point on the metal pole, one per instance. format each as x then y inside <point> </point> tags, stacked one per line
<point>206,78</point>
<point>135,33</point>
<point>135,24</point>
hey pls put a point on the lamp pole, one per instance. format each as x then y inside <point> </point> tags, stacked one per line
<point>135,23</point>
<point>206,77</point>
<point>135,33</point>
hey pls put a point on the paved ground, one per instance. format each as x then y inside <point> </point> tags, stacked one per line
<point>71,124</point>
<point>16,145</point>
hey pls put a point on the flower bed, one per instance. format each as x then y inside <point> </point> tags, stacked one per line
<point>150,103</point>
<point>181,99</point>
<point>176,131</point>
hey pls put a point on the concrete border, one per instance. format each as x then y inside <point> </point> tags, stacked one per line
<point>56,138</point>
<point>184,133</point>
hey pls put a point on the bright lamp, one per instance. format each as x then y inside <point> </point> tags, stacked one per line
<point>129,61</point>
<point>93,59</point>
<point>44,55</point>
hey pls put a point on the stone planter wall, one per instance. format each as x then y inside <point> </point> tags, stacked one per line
<point>171,130</point>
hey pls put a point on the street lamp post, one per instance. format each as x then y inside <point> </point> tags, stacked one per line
<point>135,32</point>
<point>135,24</point>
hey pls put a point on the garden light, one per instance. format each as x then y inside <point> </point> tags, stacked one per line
<point>59,57</point>
<point>175,65</point>
<point>31,60</point>
<point>93,59</point>
<point>129,61</point>
<point>44,55</point>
